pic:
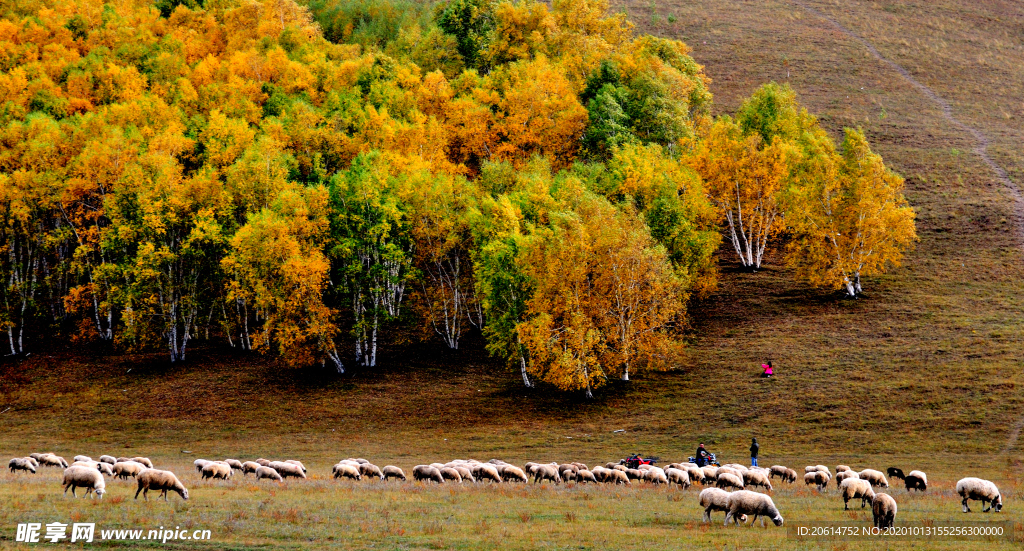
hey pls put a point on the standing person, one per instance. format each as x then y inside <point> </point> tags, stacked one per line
<point>702,455</point>
<point>753,452</point>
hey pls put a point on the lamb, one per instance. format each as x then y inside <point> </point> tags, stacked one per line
<point>267,472</point>
<point>714,499</point>
<point>391,471</point>
<point>759,505</point>
<point>250,467</point>
<point>234,464</point>
<point>916,480</point>
<point>298,463</point>
<point>79,476</point>
<point>345,470</point>
<point>426,472</point>
<point>286,469</point>
<point>883,510</point>
<point>464,472</point>
<point>757,478</point>
<point>546,472</point>
<point>678,476</point>
<point>369,469</point>
<point>217,469</point>
<point>82,458</point>
<point>513,473</point>
<point>895,472</point>
<point>144,460</point>
<point>876,478</point>
<point>853,488</point>
<point>51,460</point>
<point>22,464</point>
<point>108,459</point>
<point>584,475</point>
<point>200,463</point>
<point>486,471</point>
<point>152,479</point>
<point>729,480</point>
<point>979,489</point>
<point>124,469</point>
<point>817,478</point>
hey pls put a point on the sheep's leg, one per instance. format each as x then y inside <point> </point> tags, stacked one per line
<point>66,489</point>
<point>846,504</point>
<point>984,502</point>
<point>707,514</point>
<point>728,515</point>
<point>966,508</point>
<point>164,493</point>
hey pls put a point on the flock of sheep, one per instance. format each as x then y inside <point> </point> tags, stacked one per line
<point>737,504</point>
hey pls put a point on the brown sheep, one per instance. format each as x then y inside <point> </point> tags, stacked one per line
<point>152,479</point>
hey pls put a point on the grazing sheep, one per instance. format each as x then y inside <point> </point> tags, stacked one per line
<point>710,473</point>
<point>916,480</point>
<point>82,458</point>
<point>825,470</point>
<point>757,478</point>
<point>51,460</point>
<point>979,489</point>
<point>357,459</point>
<point>634,474</point>
<point>810,469</point>
<point>619,468</point>
<point>79,476</point>
<point>570,466</point>
<point>391,471</point>
<point>122,459</point>
<point>486,471</point>
<point>745,502</point>
<point>513,473</point>
<point>37,456</point>
<point>568,475</point>
<point>449,473</point>
<point>610,465</point>
<point>22,464</point>
<point>883,510</point>
<point>426,472</point>
<point>267,472</point>
<point>152,479</point>
<point>584,475</point>
<point>217,469</point>
<point>546,472</point>
<point>264,462</point>
<point>108,459</point>
<point>876,478</point>
<point>437,466</point>
<point>895,472</point>
<point>250,467</point>
<point>729,480</point>
<point>730,470</point>
<point>104,468</point>
<point>841,468</point>
<point>790,475</point>
<point>234,464</point>
<point>777,470</point>
<point>817,478</point>
<point>199,464</point>
<point>464,472</point>
<point>346,470</point>
<point>656,476</point>
<point>617,476</point>
<point>853,488</point>
<point>678,476</point>
<point>34,462</point>
<point>298,463</point>
<point>581,466</point>
<point>843,475</point>
<point>124,469</point>
<point>369,469</point>
<point>286,469</point>
<point>144,460</point>
<point>600,473</point>
<point>714,499</point>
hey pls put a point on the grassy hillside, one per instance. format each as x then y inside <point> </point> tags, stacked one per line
<point>925,372</point>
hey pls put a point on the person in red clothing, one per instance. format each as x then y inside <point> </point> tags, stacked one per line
<point>768,372</point>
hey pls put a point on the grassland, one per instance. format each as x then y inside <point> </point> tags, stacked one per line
<point>926,372</point>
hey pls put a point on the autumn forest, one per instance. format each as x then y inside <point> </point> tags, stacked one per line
<point>308,181</point>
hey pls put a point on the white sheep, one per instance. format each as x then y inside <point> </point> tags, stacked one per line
<point>843,475</point>
<point>287,469</point>
<point>267,472</point>
<point>817,478</point>
<point>710,473</point>
<point>22,464</point>
<point>757,478</point>
<point>200,463</point>
<point>297,462</point>
<point>883,510</point>
<point>449,473</point>
<point>876,478</point>
<point>464,472</point>
<point>853,488</point>
<point>234,463</point>
<point>79,458</point>
<point>51,460</point>
<point>729,480</point>
<point>916,480</point>
<point>656,476</point>
<point>979,489</point>
<point>585,475</point>
<point>108,459</point>
<point>714,499</point>
<point>841,468</point>
<point>369,469</point>
<point>346,470</point>
<point>545,472</point>
<point>678,476</point>
<point>124,469</point>
<point>217,469</point>
<point>427,472</point>
<point>79,476</point>
<point>152,479</point>
<point>250,467</point>
<point>512,473</point>
<point>144,460</point>
<point>391,471</point>
<point>487,471</point>
<point>745,502</point>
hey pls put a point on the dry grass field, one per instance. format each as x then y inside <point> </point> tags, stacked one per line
<point>925,372</point>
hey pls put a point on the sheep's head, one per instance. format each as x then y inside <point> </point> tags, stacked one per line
<point>100,492</point>
<point>997,503</point>
<point>183,492</point>
<point>777,519</point>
